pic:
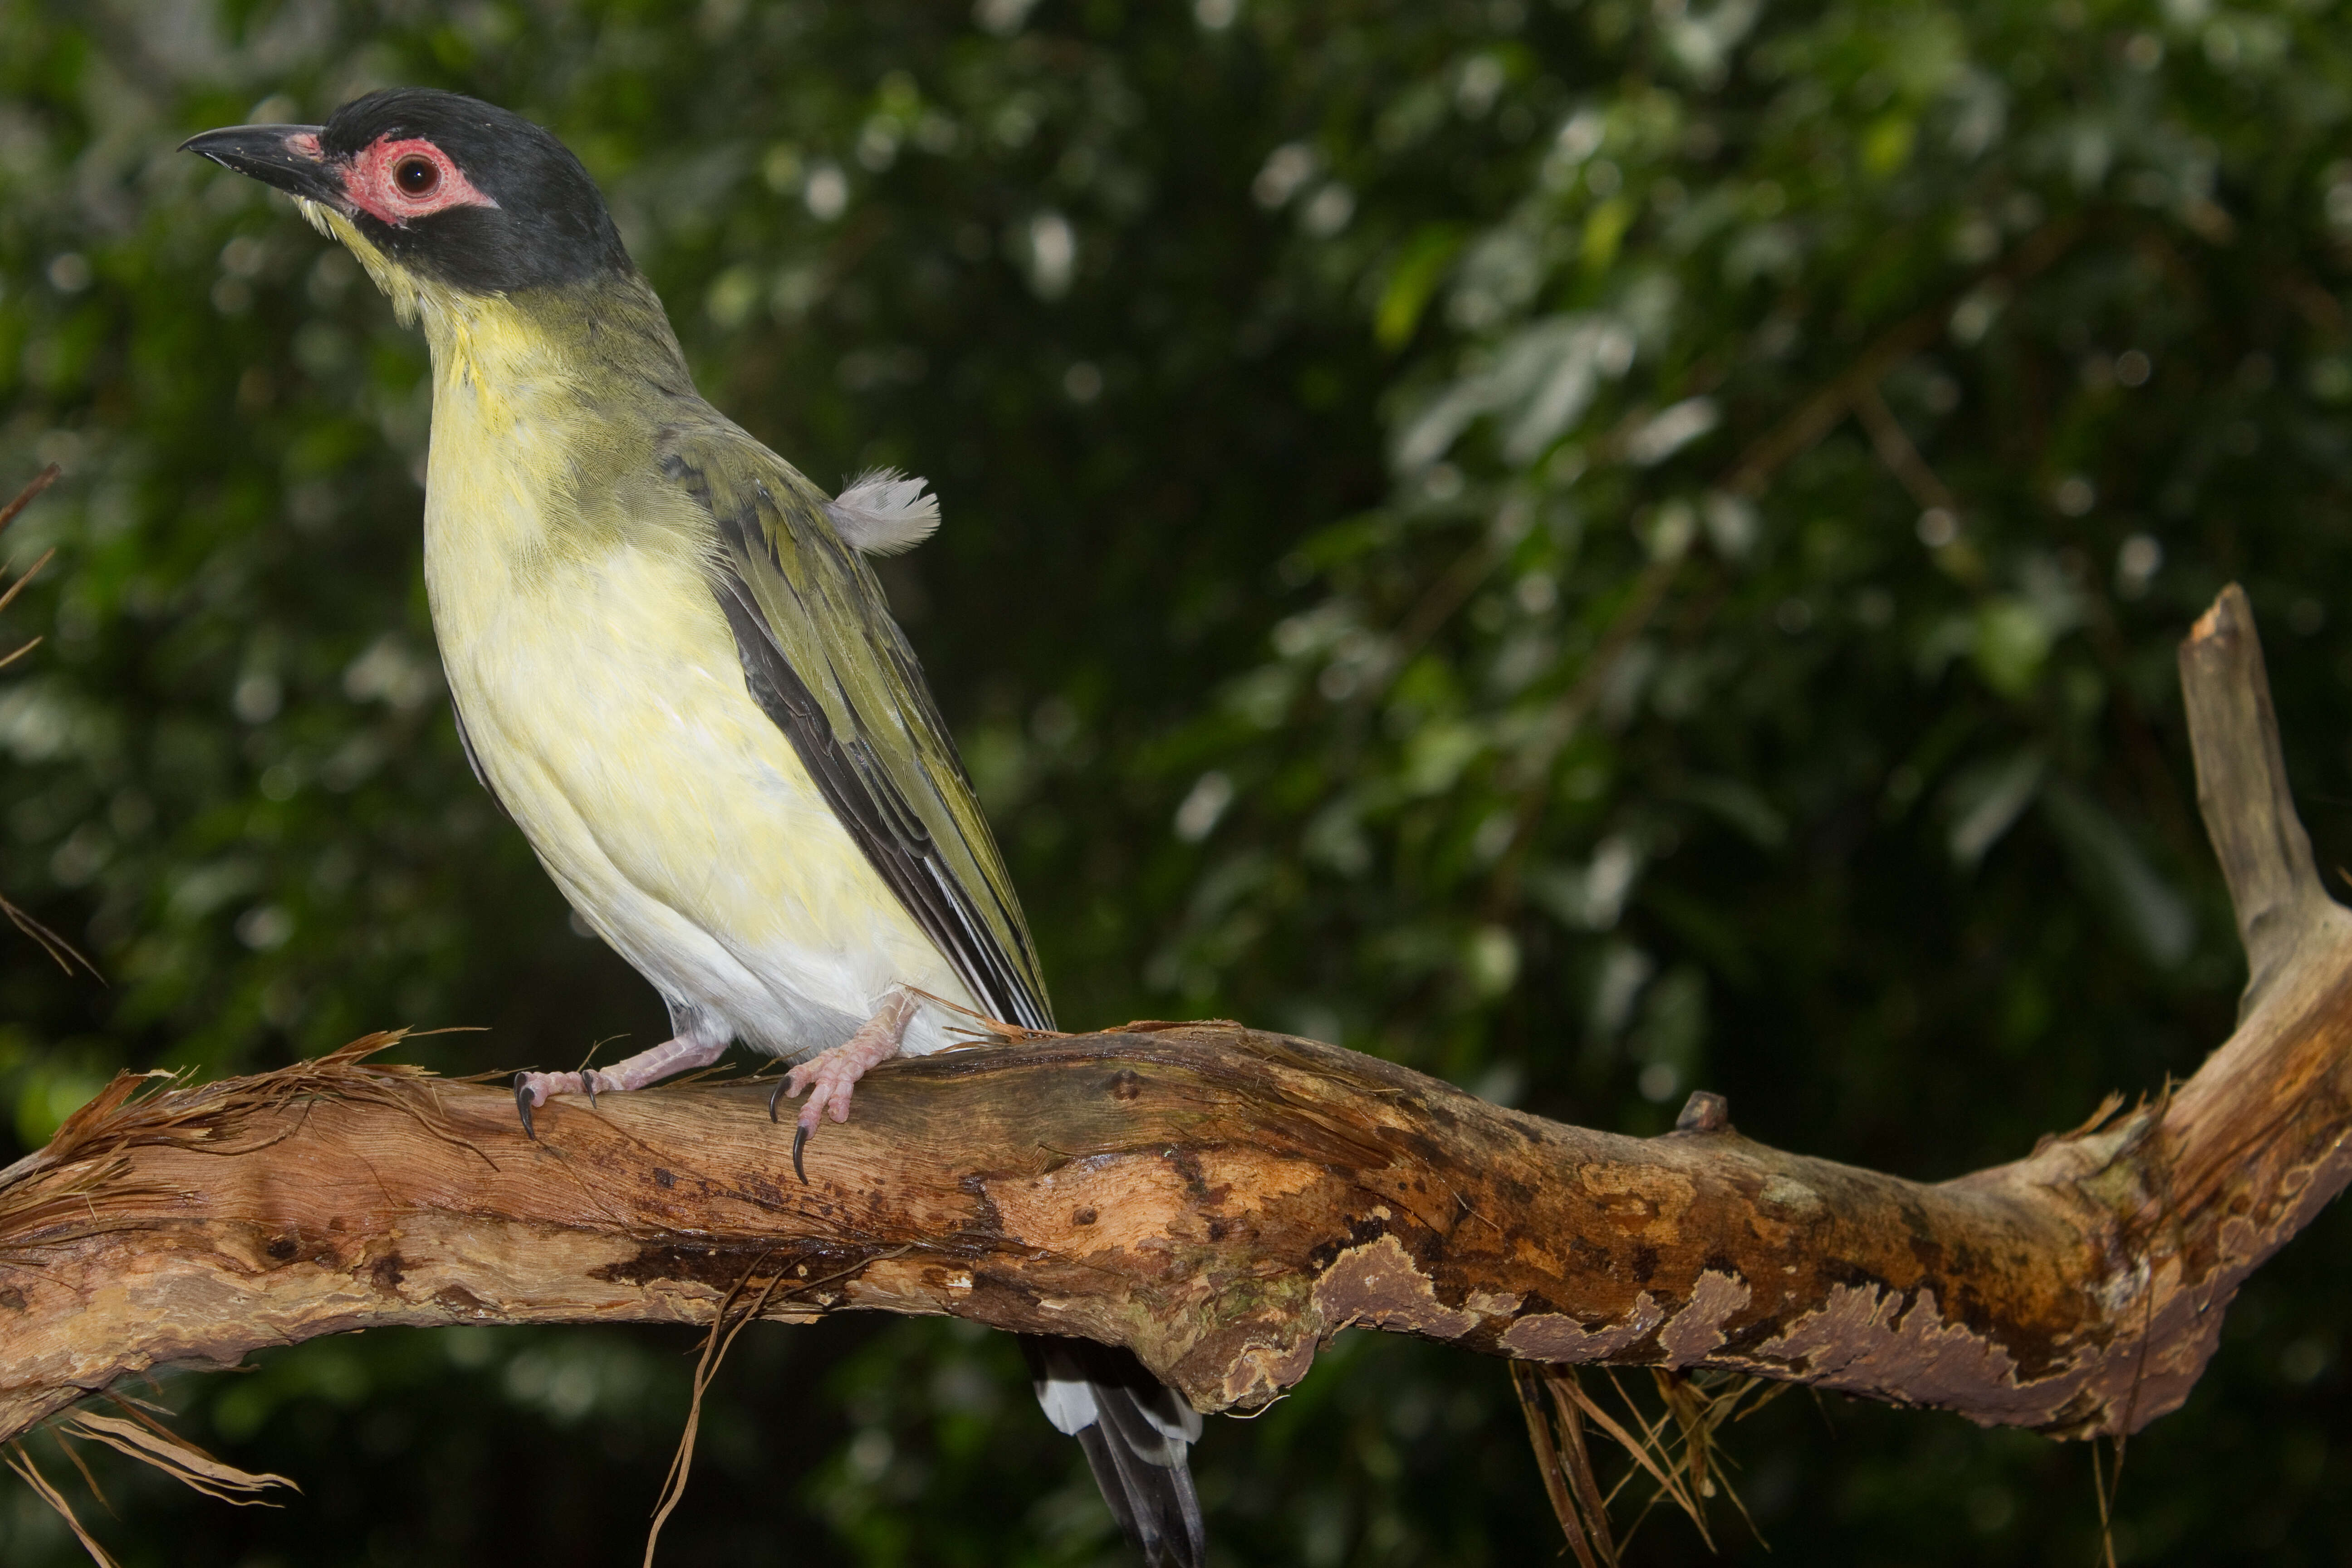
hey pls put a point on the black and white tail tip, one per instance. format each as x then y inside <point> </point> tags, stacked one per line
<point>883,512</point>
<point>1137,1434</point>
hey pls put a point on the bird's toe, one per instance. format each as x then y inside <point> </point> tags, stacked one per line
<point>532,1090</point>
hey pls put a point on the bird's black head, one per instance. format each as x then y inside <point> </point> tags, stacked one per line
<point>448,187</point>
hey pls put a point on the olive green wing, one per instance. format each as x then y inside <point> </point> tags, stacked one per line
<point>825,660</point>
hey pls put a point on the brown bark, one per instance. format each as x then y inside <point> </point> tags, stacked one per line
<point>1224,1200</point>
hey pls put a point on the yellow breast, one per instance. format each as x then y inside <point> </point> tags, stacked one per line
<point>606,700</point>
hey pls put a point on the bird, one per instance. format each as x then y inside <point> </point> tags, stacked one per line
<point>672,667</point>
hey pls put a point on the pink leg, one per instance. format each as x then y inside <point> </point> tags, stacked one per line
<point>531,1089</point>
<point>830,1076</point>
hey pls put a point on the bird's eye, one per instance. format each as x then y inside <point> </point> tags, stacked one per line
<point>416,176</point>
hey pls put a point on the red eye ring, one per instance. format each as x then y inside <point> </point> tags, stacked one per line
<point>416,177</point>
<point>400,180</point>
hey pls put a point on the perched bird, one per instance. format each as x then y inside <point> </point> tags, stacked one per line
<point>672,667</point>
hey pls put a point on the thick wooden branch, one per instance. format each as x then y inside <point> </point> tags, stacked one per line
<point>1224,1200</point>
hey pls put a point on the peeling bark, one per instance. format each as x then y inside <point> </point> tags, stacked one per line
<point>1224,1200</point>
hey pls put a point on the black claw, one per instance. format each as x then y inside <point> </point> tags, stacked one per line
<point>799,1141</point>
<point>774,1095</point>
<point>588,1081</point>
<point>522,1106</point>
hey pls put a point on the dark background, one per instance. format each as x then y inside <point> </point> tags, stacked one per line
<point>1310,388</point>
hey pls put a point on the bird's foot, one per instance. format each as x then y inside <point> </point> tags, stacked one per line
<point>830,1078</point>
<point>674,1056</point>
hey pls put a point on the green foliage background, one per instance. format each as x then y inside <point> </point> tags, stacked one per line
<point>1389,591</point>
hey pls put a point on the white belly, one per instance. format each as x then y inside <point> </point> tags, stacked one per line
<point>606,704</point>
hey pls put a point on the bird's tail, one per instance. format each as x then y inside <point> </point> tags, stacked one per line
<point>1138,1434</point>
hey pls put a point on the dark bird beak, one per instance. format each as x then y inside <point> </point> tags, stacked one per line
<point>285,156</point>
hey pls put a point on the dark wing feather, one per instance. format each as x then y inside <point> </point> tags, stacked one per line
<point>823,658</point>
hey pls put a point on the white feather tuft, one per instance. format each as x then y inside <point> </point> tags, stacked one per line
<point>883,512</point>
<point>1069,1403</point>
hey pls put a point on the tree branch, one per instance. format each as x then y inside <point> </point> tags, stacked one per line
<point>1224,1200</point>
